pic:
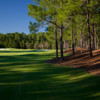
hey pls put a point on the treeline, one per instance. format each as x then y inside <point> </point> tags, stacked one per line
<point>71,24</point>
<point>29,41</point>
<point>76,22</point>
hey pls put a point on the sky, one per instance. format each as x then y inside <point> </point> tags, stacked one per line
<point>14,16</point>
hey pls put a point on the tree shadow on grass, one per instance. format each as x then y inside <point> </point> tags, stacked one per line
<point>27,77</point>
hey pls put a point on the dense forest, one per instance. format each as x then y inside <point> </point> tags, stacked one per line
<point>71,24</point>
<point>30,41</point>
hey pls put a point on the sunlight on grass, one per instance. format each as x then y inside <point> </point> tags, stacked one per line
<point>25,76</point>
<point>22,52</point>
<point>69,78</point>
<point>25,70</point>
<point>79,77</point>
<point>97,94</point>
<point>17,83</point>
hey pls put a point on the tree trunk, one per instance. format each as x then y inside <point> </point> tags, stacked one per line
<point>97,42</point>
<point>89,33</point>
<point>42,46</point>
<point>64,45</point>
<point>56,41</point>
<point>81,35</point>
<point>61,42</point>
<point>73,42</point>
<point>95,38</point>
<point>93,30</point>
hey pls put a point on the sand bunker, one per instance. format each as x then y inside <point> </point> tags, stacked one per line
<point>3,49</point>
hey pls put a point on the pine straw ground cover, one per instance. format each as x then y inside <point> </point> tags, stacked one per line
<point>81,60</point>
<point>24,75</point>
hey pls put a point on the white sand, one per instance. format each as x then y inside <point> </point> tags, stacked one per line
<point>3,49</point>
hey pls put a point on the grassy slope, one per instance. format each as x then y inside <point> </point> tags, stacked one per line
<point>25,76</point>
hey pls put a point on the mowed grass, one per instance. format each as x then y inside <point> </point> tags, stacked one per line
<point>24,75</point>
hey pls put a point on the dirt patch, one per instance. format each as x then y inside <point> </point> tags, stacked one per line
<point>81,60</point>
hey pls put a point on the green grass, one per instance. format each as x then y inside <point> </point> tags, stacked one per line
<point>25,76</point>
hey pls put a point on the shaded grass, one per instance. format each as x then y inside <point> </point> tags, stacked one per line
<point>25,76</point>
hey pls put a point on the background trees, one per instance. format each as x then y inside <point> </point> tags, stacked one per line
<point>30,41</point>
<point>71,24</point>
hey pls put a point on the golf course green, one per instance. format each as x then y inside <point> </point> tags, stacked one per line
<point>24,75</point>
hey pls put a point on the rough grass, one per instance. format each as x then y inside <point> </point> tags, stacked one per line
<point>25,76</point>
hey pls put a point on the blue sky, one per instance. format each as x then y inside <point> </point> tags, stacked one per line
<point>14,16</point>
